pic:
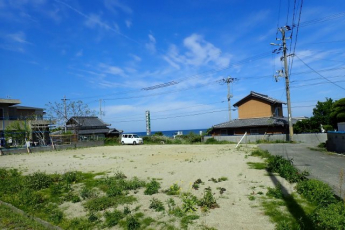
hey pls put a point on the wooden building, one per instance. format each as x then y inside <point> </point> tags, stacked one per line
<point>257,114</point>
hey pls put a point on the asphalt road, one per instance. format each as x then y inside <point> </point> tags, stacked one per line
<point>320,165</point>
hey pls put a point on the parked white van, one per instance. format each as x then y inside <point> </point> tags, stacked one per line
<point>131,139</point>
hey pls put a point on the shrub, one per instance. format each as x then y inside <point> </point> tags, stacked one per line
<point>114,190</point>
<point>330,217</point>
<point>285,168</point>
<point>38,181</point>
<point>261,153</point>
<point>87,193</point>
<point>72,177</point>
<point>132,223</point>
<point>113,218</point>
<point>156,205</point>
<point>316,192</point>
<point>152,187</point>
<point>173,190</point>
<point>189,202</point>
<point>275,192</point>
<point>208,201</point>
<point>112,141</point>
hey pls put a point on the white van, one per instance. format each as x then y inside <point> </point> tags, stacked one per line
<point>131,139</point>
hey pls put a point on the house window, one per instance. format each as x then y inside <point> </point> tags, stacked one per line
<point>2,114</point>
<point>223,132</point>
<point>254,131</point>
<point>276,112</point>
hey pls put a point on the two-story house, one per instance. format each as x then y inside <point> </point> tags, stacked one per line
<point>257,114</point>
<point>28,117</point>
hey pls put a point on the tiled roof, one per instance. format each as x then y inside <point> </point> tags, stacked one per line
<point>260,96</point>
<point>253,122</point>
<point>88,121</point>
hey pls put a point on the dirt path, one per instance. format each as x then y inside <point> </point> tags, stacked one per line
<point>182,164</point>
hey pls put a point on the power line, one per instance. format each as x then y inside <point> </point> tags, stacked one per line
<point>323,19</point>
<point>319,73</point>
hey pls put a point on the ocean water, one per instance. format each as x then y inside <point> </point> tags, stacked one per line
<point>171,133</point>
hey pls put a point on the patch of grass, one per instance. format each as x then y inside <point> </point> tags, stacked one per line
<point>131,223</point>
<point>113,218</point>
<point>156,205</point>
<point>152,187</point>
<point>330,217</point>
<point>196,184</point>
<point>251,197</point>
<point>275,192</point>
<point>260,153</point>
<point>12,220</point>
<point>257,165</point>
<point>104,202</point>
<point>293,216</point>
<point>316,192</point>
<point>186,220</point>
<point>173,189</point>
<point>189,202</point>
<point>285,168</point>
<point>208,201</point>
<point>212,141</point>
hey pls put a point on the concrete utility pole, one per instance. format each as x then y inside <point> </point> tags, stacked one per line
<point>100,109</point>
<point>286,71</point>
<point>228,81</point>
<point>64,104</point>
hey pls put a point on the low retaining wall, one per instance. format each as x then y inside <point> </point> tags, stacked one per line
<point>82,144</point>
<point>336,142</point>
<point>308,138</point>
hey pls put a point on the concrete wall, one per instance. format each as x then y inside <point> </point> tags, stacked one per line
<point>81,144</point>
<point>336,142</point>
<point>308,138</point>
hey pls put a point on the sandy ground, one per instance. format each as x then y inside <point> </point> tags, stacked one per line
<point>182,164</point>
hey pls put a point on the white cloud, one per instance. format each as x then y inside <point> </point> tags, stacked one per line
<point>94,20</point>
<point>199,52</point>
<point>151,45</point>
<point>113,70</point>
<point>128,23</point>
<point>135,57</point>
<point>79,53</point>
<point>18,37</point>
<point>113,5</point>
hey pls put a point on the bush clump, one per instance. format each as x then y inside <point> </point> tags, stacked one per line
<point>285,168</point>
<point>316,192</point>
<point>152,187</point>
<point>330,217</point>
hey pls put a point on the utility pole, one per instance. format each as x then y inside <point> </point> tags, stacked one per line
<point>228,81</point>
<point>64,104</point>
<point>100,109</point>
<point>286,71</point>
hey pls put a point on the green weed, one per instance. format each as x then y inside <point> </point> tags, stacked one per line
<point>156,205</point>
<point>257,165</point>
<point>152,187</point>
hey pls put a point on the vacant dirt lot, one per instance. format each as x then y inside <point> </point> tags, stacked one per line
<point>182,164</point>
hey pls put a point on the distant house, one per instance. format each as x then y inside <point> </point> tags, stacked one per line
<point>30,117</point>
<point>86,127</point>
<point>257,114</point>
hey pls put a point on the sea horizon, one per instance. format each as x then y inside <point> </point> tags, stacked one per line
<point>171,133</point>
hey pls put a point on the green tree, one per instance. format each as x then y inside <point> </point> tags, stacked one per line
<point>338,112</point>
<point>321,116</point>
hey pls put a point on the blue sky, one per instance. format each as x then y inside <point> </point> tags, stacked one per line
<point>168,57</point>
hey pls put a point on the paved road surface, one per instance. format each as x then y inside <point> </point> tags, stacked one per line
<point>320,165</point>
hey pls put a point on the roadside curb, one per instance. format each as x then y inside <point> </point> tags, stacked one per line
<point>21,212</point>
